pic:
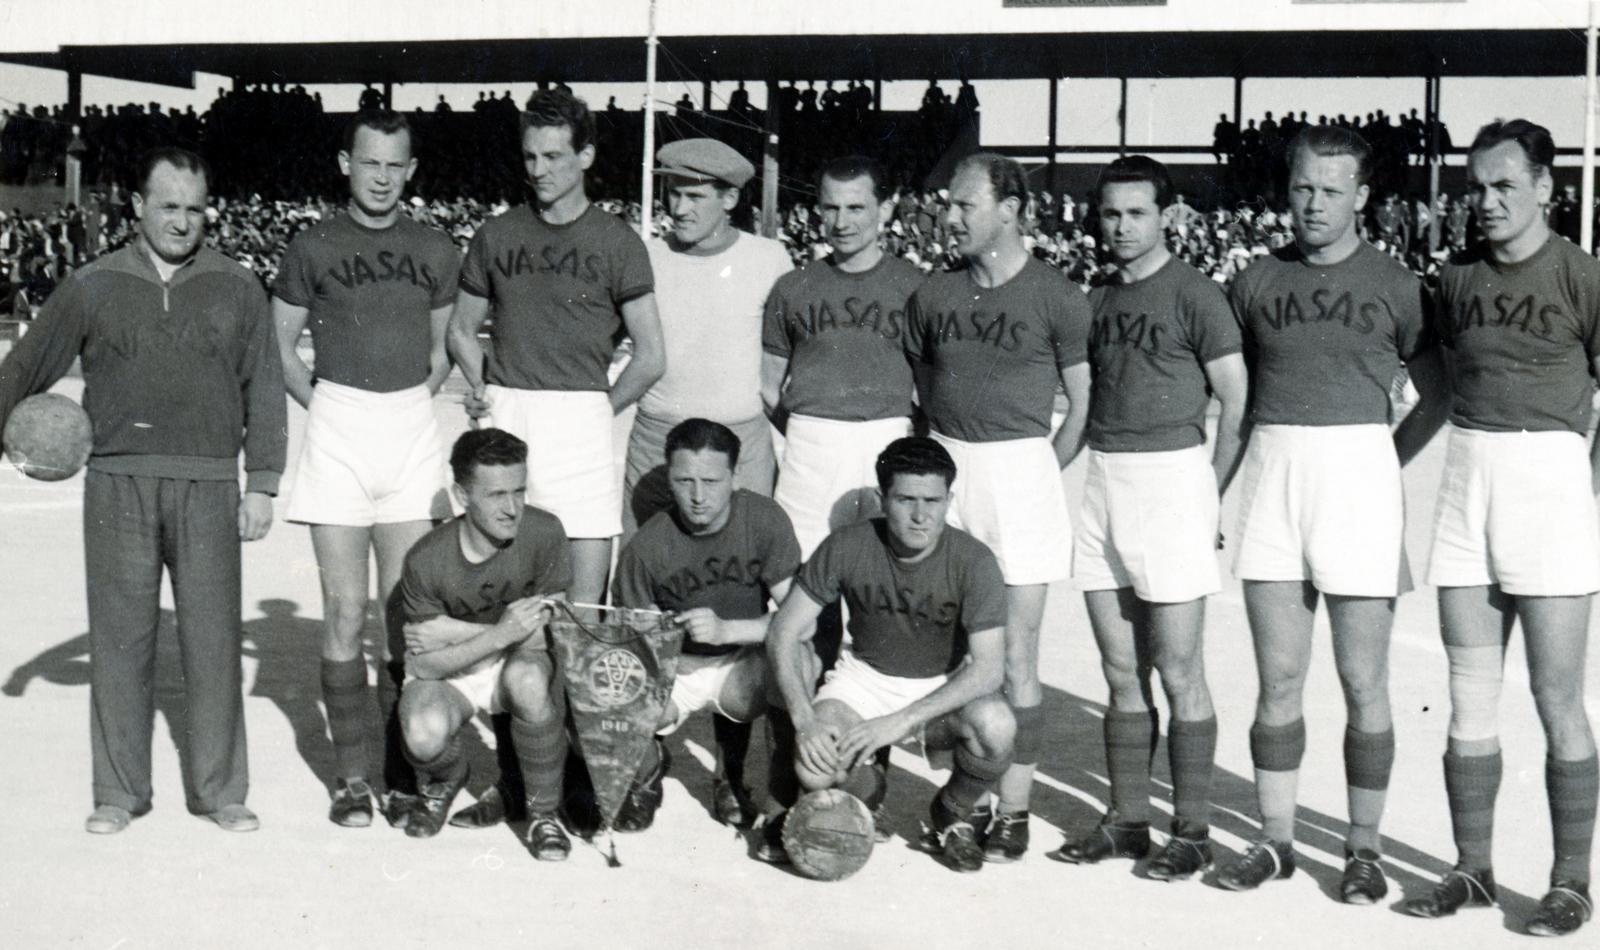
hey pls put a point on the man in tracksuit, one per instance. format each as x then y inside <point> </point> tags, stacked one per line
<point>179,372</point>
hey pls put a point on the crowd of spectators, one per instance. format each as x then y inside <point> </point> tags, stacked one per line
<point>38,251</point>
<point>1254,154</point>
<point>276,140</point>
<point>271,148</point>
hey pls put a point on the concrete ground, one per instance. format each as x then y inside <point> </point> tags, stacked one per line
<point>175,881</point>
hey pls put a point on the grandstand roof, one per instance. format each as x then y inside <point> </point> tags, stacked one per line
<point>491,41</point>
<point>887,57</point>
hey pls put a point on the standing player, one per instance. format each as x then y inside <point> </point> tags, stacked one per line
<point>472,597</point>
<point>713,281</point>
<point>926,656</point>
<point>833,362</point>
<point>1164,339</point>
<point>179,375</point>
<point>994,339</point>
<point>1327,323</point>
<point>561,278</point>
<point>376,288</point>
<point>834,372</point>
<point>712,284</point>
<point>714,559</point>
<point>1515,536</point>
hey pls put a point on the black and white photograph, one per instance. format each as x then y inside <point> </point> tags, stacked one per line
<point>701,474</point>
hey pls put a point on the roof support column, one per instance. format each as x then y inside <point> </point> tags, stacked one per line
<point>1050,159</point>
<point>74,92</point>
<point>769,164</point>
<point>705,95</point>
<point>388,94</point>
<point>1238,101</point>
<point>1122,119</point>
<point>1434,160</point>
<point>877,95</point>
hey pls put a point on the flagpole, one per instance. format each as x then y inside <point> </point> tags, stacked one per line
<point>647,191</point>
<point>1586,209</point>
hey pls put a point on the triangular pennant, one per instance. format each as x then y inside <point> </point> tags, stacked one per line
<point>618,666</point>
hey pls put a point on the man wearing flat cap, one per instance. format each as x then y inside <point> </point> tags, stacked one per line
<point>711,283</point>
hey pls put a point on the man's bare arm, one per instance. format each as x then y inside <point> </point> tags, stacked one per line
<point>788,643</point>
<point>649,358</point>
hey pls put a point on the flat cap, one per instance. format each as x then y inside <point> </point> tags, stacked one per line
<point>704,160</point>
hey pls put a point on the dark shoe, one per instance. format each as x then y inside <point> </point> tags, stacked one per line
<point>397,807</point>
<point>1265,861</point>
<point>770,849</point>
<point>352,803</point>
<point>1459,888</point>
<point>546,839</point>
<point>1180,860</point>
<point>732,803</point>
<point>107,820</point>
<point>952,837</point>
<point>1363,881</point>
<point>638,810</point>
<point>234,818</point>
<point>430,809</point>
<point>1007,838</point>
<point>486,812</point>
<point>1108,840</point>
<point>1566,908</point>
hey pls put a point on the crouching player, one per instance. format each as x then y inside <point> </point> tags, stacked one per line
<point>927,610</point>
<point>715,558</point>
<point>472,594</point>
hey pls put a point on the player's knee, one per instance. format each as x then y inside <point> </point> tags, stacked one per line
<point>1022,643</point>
<point>1475,677</point>
<point>1122,675</point>
<point>526,687</point>
<point>426,728</point>
<point>1559,701</point>
<point>1281,690</point>
<point>991,726</point>
<point>1182,677</point>
<point>1366,689</point>
<point>348,614</point>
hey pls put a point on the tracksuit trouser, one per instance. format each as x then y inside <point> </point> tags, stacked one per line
<point>133,527</point>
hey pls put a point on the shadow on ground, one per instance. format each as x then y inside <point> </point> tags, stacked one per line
<point>285,646</point>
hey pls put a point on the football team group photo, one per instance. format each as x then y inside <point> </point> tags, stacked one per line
<point>589,515</point>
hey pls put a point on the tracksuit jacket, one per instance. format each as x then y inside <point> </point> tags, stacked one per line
<point>179,375</point>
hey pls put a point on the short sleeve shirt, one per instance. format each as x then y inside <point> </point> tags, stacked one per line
<point>370,293</point>
<point>1148,348</point>
<point>992,356</point>
<point>908,619</point>
<point>439,581</point>
<point>711,308</point>
<point>1325,341</point>
<point>732,571</point>
<point>1523,336</point>
<point>556,293</point>
<point>842,334</point>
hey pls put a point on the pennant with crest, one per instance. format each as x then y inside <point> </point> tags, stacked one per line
<point>618,665</point>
